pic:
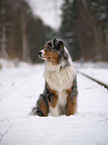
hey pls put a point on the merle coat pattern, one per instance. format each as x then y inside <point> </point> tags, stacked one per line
<point>60,93</point>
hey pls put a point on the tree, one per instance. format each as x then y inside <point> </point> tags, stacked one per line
<point>38,35</point>
<point>13,27</point>
<point>68,27</point>
<point>24,19</point>
<point>89,35</point>
<point>99,9</point>
<point>3,29</point>
<point>84,27</point>
<point>22,34</point>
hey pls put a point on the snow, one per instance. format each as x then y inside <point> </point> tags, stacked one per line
<point>98,71</point>
<point>19,89</point>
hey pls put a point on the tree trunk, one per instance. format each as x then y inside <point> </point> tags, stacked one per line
<point>25,52</point>
<point>89,35</point>
<point>106,56</point>
<point>4,53</point>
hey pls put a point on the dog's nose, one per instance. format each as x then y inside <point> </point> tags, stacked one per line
<point>40,53</point>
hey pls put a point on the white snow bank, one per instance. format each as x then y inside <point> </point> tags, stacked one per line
<point>19,89</point>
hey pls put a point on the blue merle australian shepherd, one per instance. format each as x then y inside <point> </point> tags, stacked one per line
<point>60,94</point>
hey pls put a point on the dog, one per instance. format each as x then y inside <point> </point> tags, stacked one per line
<point>60,94</point>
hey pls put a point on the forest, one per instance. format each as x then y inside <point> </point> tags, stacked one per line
<point>22,34</point>
<point>84,30</point>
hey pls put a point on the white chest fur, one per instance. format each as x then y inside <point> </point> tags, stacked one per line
<point>60,108</point>
<point>59,80</point>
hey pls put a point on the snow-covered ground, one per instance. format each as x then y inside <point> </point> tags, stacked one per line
<point>19,89</point>
<point>98,71</point>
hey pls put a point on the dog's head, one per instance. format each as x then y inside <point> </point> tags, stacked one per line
<point>53,50</point>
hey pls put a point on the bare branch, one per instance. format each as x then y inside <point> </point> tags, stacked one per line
<point>3,134</point>
<point>105,120</point>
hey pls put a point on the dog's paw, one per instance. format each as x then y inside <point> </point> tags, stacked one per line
<point>36,111</point>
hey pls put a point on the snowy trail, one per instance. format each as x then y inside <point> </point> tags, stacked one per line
<point>19,89</point>
<point>94,79</point>
<point>97,71</point>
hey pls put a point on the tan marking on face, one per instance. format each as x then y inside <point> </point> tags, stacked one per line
<point>51,56</point>
<point>48,45</point>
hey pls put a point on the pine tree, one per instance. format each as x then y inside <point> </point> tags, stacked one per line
<point>85,28</point>
<point>99,9</point>
<point>68,26</point>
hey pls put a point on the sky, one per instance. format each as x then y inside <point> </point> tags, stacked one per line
<point>48,10</point>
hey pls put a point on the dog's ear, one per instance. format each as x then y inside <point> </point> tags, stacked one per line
<point>55,42</point>
<point>60,44</point>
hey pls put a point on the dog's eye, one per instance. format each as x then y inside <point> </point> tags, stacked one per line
<point>48,48</point>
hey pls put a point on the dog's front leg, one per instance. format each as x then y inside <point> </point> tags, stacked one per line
<point>42,106</point>
<point>53,98</point>
<point>72,99</point>
<point>71,105</point>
